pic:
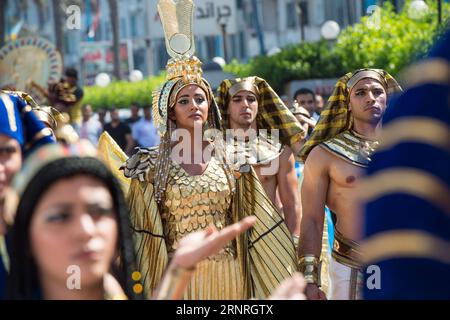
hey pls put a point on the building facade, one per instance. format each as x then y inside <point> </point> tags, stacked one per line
<point>232,29</point>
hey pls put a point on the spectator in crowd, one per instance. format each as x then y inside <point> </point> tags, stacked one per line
<point>66,96</point>
<point>303,116</point>
<point>320,102</point>
<point>102,116</point>
<point>120,132</point>
<point>77,91</point>
<point>144,131</point>
<point>134,108</point>
<point>90,128</point>
<point>307,99</point>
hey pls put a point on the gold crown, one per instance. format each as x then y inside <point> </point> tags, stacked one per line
<point>177,20</point>
<point>189,68</point>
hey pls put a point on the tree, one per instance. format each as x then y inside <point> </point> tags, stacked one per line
<point>388,41</point>
<point>114,16</point>
<point>58,27</point>
<point>2,22</point>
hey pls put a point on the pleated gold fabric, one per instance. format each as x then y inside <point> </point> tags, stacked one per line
<point>269,254</point>
<point>111,154</point>
<point>252,266</point>
<point>150,245</point>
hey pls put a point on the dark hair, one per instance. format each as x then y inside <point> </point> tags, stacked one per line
<point>303,91</point>
<point>71,72</point>
<point>23,281</point>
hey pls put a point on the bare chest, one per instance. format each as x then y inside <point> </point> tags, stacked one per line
<point>345,175</point>
<point>267,173</point>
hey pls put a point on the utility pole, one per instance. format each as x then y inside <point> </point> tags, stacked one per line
<point>439,12</point>
<point>2,22</point>
<point>114,16</point>
<point>301,16</point>
<point>258,28</point>
<point>58,27</point>
<point>223,29</point>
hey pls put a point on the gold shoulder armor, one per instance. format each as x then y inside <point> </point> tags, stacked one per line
<point>141,165</point>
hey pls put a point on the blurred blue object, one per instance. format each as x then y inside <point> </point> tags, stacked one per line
<point>407,217</point>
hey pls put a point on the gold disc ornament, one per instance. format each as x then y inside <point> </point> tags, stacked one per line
<point>29,64</point>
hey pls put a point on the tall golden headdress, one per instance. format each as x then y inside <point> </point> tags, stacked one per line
<point>177,21</point>
<point>183,68</point>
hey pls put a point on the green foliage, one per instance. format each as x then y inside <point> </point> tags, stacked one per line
<point>396,41</point>
<point>304,61</point>
<point>391,42</point>
<point>121,94</point>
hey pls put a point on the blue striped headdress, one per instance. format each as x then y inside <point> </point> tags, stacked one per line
<point>407,216</point>
<point>17,121</point>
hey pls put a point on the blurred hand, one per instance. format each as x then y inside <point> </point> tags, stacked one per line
<point>197,246</point>
<point>304,120</point>
<point>112,288</point>
<point>314,293</point>
<point>290,289</point>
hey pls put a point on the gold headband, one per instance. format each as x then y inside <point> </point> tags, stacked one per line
<point>243,86</point>
<point>180,85</point>
<point>47,115</point>
<point>364,75</point>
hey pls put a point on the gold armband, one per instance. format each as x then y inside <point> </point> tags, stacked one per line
<point>310,266</point>
<point>174,283</point>
<point>296,241</point>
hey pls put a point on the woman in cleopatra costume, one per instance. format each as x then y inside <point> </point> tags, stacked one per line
<point>170,198</point>
<point>335,156</point>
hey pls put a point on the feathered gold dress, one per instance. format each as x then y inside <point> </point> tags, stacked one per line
<point>251,266</point>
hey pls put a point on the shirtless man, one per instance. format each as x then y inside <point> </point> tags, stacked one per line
<point>334,164</point>
<point>273,162</point>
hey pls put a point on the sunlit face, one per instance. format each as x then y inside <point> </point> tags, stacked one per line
<point>368,101</point>
<point>10,161</point>
<point>191,108</point>
<point>74,224</point>
<point>307,101</point>
<point>243,109</point>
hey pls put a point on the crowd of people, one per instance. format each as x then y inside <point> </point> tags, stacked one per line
<point>135,131</point>
<point>225,195</point>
